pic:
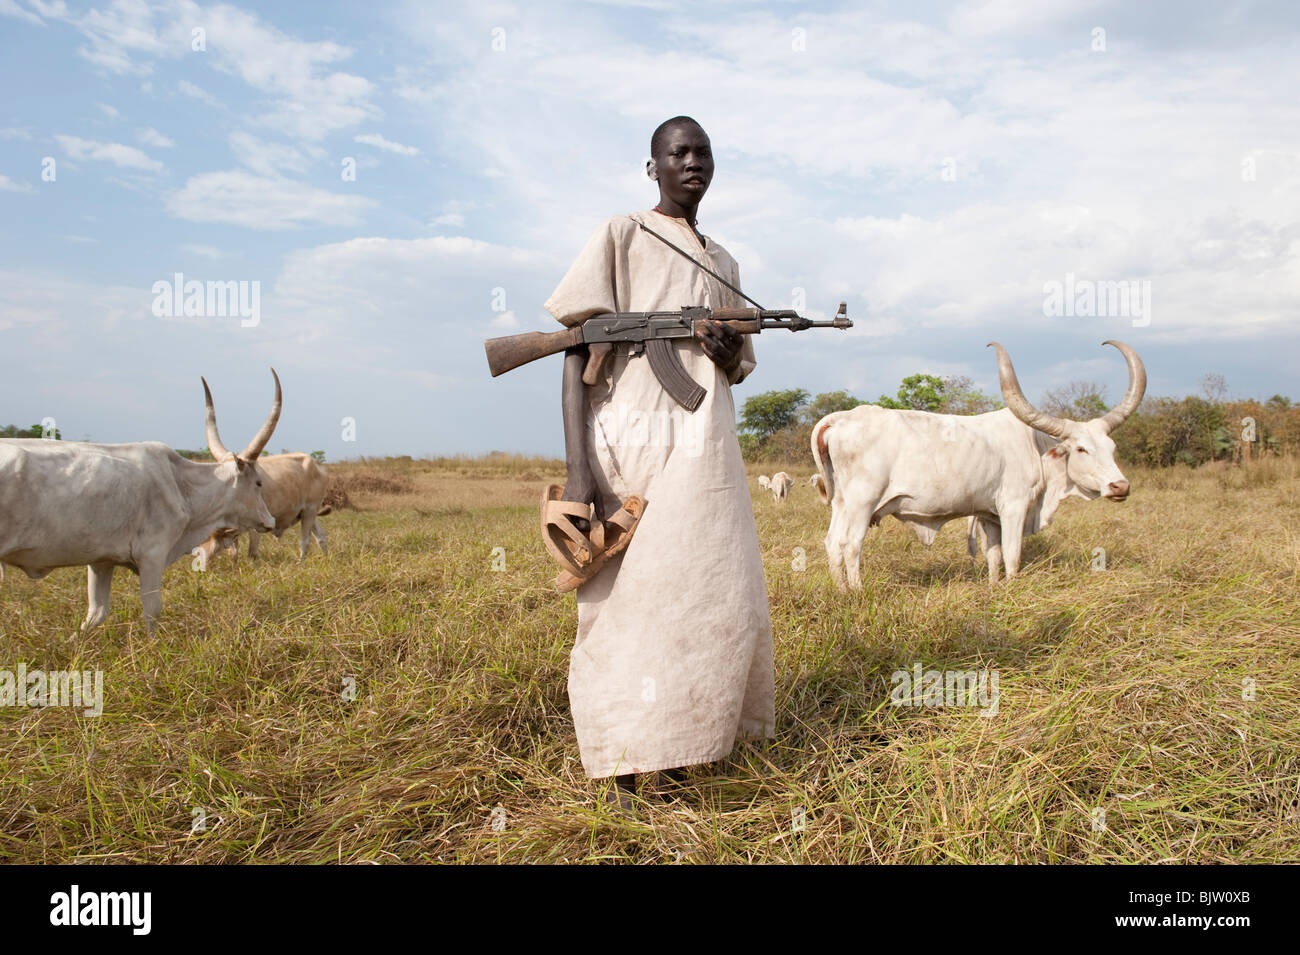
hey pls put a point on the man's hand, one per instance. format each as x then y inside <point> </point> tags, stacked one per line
<point>721,343</point>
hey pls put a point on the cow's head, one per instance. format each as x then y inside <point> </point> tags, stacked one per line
<point>242,508</point>
<point>1084,448</point>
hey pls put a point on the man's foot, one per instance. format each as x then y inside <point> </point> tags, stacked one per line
<point>669,783</point>
<point>621,793</point>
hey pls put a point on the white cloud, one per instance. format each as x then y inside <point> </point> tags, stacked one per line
<point>197,92</point>
<point>307,97</point>
<point>8,185</point>
<point>309,100</point>
<point>983,18</point>
<point>109,111</point>
<point>379,142</point>
<point>267,159</point>
<point>9,8</point>
<point>127,157</point>
<point>450,218</point>
<point>262,202</point>
<point>151,137</point>
<point>206,251</point>
<point>831,164</point>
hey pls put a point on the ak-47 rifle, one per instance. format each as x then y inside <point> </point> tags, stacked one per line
<point>651,332</point>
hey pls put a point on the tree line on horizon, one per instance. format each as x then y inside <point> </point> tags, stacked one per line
<point>1164,431</point>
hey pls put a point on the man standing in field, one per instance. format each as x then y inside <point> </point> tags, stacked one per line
<point>673,658</point>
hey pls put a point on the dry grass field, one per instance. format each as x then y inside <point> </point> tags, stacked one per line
<point>1125,691</point>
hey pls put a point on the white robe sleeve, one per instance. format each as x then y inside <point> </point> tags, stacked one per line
<point>593,283</point>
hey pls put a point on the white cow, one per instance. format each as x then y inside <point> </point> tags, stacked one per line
<point>780,486</point>
<point>141,506</point>
<point>293,486</point>
<point>765,482</point>
<point>1010,469</point>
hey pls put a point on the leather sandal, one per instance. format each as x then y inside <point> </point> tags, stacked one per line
<point>572,549</point>
<point>611,538</point>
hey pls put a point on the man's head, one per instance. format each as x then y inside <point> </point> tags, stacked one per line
<point>681,161</point>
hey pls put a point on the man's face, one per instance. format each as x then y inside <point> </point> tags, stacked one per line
<point>685,164</point>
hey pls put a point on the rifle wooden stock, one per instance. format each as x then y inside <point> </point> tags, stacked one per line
<point>509,352</point>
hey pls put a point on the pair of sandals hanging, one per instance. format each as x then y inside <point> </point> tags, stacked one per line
<point>581,556</point>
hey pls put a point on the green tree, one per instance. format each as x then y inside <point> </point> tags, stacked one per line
<point>918,392</point>
<point>318,456</point>
<point>960,396</point>
<point>766,414</point>
<point>35,431</point>
<point>1079,400</point>
<point>828,403</point>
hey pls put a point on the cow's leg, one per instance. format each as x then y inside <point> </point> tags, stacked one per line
<point>151,574</point>
<point>1013,537</point>
<point>976,539</point>
<point>834,552</point>
<point>850,520</point>
<point>855,532</point>
<point>99,586</point>
<point>304,544</point>
<point>992,532</point>
<point>319,531</point>
<point>252,545</point>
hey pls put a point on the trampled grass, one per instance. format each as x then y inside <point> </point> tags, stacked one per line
<point>1125,691</point>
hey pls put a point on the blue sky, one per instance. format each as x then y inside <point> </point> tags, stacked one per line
<point>935,165</point>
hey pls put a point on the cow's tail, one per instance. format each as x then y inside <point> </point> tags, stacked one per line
<point>825,468</point>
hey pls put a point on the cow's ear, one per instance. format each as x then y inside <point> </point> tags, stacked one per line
<point>1056,452</point>
<point>240,464</point>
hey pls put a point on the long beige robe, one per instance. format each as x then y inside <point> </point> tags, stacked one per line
<point>673,658</point>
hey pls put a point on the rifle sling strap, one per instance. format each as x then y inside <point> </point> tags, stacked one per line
<point>699,265</point>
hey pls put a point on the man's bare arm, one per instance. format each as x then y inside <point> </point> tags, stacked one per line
<point>580,485</point>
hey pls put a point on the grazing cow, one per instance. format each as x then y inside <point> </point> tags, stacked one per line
<point>1010,469</point>
<point>815,482</point>
<point>140,505</point>
<point>780,486</point>
<point>765,482</point>
<point>293,486</point>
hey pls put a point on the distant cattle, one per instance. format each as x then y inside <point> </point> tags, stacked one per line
<point>1009,469</point>
<point>139,505</point>
<point>780,486</point>
<point>293,488</point>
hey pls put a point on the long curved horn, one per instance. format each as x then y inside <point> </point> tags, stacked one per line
<point>1019,404</point>
<point>1137,387</point>
<point>258,443</point>
<point>214,439</point>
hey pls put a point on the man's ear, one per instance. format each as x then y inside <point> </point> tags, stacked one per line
<point>652,170</point>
